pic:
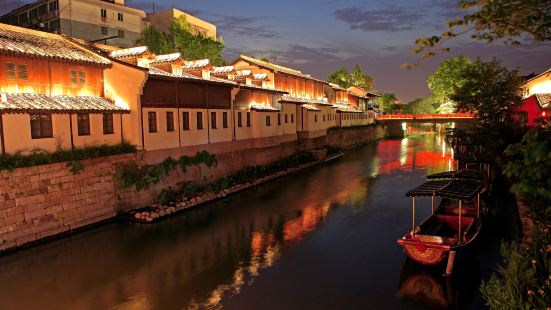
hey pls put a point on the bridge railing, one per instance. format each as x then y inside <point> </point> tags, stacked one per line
<point>425,116</point>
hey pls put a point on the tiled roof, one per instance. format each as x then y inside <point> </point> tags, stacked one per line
<point>310,107</point>
<point>128,52</point>
<point>347,110</point>
<point>157,71</point>
<point>222,70</point>
<point>278,68</point>
<point>62,104</point>
<point>264,108</point>
<point>335,86</point>
<point>196,64</point>
<point>241,74</point>
<point>167,58</point>
<point>304,100</point>
<point>27,42</point>
<point>544,100</point>
<point>260,76</point>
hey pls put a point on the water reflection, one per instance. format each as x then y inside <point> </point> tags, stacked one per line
<point>337,223</point>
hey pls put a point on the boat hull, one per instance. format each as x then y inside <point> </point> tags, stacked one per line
<point>423,253</point>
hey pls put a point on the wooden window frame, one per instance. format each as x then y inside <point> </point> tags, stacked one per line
<point>83,124</point>
<point>200,120</point>
<point>169,121</point>
<point>43,118</point>
<point>239,119</point>
<point>286,118</point>
<point>224,119</point>
<point>152,122</point>
<point>213,120</point>
<point>292,118</point>
<point>185,120</point>
<point>279,119</point>
<point>268,121</point>
<point>108,124</point>
<point>248,119</point>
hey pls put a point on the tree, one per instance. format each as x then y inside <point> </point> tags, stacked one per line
<point>491,20</point>
<point>339,77</point>
<point>182,39</point>
<point>356,77</point>
<point>490,90</point>
<point>387,102</point>
<point>156,41</point>
<point>448,77</point>
<point>426,105</point>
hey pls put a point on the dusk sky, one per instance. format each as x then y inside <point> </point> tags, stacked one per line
<point>318,37</point>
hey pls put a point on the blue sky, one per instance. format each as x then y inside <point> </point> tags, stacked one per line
<point>318,37</point>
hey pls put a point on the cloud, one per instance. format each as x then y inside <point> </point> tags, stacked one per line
<point>389,19</point>
<point>244,26</point>
<point>9,5</point>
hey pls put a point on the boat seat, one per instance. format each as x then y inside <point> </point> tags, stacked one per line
<point>433,229</point>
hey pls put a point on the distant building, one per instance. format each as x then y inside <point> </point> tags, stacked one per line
<point>90,20</point>
<point>537,102</point>
<point>162,20</point>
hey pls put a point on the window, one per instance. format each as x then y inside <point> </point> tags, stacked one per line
<point>103,13</point>
<point>267,120</point>
<point>239,120</point>
<point>286,119</point>
<point>41,126</point>
<point>152,121</point>
<point>185,120</point>
<point>78,77</point>
<point>108,124</point>
<point>292,118</point>
<point>18,71</point>
<point>120,17</point>
<point>315,118</point>
<point>169,121</point>
<point>121,34</point>
<point>104,30</point>
<point>199,120</point>
<point>83,124</point>
<point>52,6</point>
<point>279,119</point>
<point>248,119</point>
<point>225,119</point>
<point>213,120</point>
<point>324,118</point>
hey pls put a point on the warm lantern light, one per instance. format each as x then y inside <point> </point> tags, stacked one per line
<point>543,114</point>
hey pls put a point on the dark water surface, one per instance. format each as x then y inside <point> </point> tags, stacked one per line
<point>321,239</point>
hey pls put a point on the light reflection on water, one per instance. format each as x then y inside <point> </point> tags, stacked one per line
<point>321,233</point>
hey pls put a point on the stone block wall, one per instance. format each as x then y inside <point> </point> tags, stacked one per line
<point>354,136</point>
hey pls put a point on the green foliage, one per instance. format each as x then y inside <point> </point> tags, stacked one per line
<point>529,167</point>
<point>193,46</point>
<point>130,174</point>
<point>491,20</point>
<point>41,157</point>
<point>523,281</point>
<point>387,102</point>
<point>157,41</point>
<point>356,77</point>
<point>76,167</point>
<point>426,105</point>
<point>167,196</point>
<point>491,91</point>
<point>450,76</point>
<point>182,39</point>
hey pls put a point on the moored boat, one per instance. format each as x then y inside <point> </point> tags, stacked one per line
<point>441,235</point>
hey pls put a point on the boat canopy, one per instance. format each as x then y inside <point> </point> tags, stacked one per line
<point>427,189</point>
<point>453,189</point>
<point>459,174</point>
<point>460,190</point>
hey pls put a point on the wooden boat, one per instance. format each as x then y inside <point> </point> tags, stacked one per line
<point>441,235</point>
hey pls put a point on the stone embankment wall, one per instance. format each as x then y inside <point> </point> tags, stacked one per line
<point>48,200</point>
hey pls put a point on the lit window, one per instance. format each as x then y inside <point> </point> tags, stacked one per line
<point>152,121</point>
<point>11,73</point>
<point>22,73</point>
<point>83,124</point>
<point>41,126</point>
<point>108,124</point>
<point>78,77</point>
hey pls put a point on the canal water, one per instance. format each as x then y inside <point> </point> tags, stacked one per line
<point>324,238</point>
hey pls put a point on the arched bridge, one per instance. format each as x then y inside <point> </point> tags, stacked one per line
<point>395,122</point>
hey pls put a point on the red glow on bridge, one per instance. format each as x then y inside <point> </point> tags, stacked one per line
<point>426,116</point>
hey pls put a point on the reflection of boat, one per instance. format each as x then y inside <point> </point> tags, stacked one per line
<point>441,235</point>
<point>421,286</point>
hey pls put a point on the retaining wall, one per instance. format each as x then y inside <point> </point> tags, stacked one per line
<point>47,200</point>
